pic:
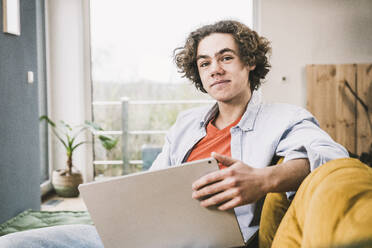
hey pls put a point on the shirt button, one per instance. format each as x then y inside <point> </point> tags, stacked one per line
<point>235,129</point>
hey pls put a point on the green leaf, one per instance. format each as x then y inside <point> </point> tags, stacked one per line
<point>70,141</point>
<point>108,142</point>
<point>49,121</point>
<point>77,145</point>
<point>60,139</point>
<point>93,125</point>
<point>66,125</point>
<point>54,128</point>
<point>79,132</point>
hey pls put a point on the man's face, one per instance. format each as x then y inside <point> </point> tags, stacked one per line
<point>223,74</point>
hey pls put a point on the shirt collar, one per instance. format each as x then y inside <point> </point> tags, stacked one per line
<point>248,118</point>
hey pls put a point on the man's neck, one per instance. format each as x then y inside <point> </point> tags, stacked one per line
<point>229,112</point>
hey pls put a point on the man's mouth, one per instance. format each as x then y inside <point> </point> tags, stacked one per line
<point>220,82</point>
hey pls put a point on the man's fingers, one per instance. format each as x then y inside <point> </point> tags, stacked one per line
<point>225,160</point>
<point>217,175</point>
<point>209,178</point>
<point>224,196</point>
<point>235,202</point>
<point>214,188</point>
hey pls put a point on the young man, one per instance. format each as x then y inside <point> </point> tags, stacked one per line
<point>228,61</point>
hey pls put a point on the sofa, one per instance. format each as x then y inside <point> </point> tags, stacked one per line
<point>332,208</point>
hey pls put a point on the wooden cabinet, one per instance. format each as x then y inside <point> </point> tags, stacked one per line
<point>336,108</point>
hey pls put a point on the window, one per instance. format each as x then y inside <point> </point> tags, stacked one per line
<point>132,47</point>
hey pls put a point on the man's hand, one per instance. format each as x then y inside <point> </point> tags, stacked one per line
<point>237,185</point>
<point>240,184</point>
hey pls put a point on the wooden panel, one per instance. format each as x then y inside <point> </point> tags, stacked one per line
<point>331,102</point>
<point>364,89</point>
<point>320,100</point>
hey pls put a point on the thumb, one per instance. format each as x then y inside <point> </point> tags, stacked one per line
<point>225,160</point>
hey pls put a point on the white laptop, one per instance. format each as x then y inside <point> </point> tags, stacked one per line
<point>155,209</point>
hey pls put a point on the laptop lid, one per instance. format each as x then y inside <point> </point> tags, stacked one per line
<point>155,209</point>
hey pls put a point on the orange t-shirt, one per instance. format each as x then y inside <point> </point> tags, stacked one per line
<point>216,140</point>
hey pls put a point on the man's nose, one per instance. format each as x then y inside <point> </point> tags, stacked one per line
<point>216,69</point>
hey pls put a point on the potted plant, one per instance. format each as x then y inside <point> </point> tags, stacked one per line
<point>66,181</point>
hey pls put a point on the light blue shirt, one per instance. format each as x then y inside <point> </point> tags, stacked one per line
<point>265,130</point>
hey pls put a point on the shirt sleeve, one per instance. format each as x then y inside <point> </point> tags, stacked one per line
<point>303,138</point>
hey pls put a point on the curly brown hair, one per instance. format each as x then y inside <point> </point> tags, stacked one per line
<point>253,50</point>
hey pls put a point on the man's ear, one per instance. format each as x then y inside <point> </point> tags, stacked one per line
<point>251,67</point>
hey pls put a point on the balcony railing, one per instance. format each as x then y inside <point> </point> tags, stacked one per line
<point>125,103</point>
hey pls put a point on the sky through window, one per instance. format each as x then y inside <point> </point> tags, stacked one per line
<point>134,41</point>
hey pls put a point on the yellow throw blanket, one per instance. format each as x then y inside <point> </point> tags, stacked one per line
<point>333,206</point>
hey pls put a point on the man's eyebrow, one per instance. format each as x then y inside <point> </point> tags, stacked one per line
<point>222,51</point>
<point>225,50</point>
<point>201,57</point>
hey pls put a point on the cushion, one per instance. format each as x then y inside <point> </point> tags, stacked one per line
<point>332,207</point>
<point>30,219</point>
<point>273,210</point>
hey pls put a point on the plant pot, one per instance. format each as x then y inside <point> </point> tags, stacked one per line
<point>66,185</point>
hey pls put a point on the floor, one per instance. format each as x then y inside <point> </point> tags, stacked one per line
<point>56,203</point>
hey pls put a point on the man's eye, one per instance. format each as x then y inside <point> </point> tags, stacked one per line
<point>227,58</point>
<point>204,64</point>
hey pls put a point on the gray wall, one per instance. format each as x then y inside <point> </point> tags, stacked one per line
<point>19,112</point>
